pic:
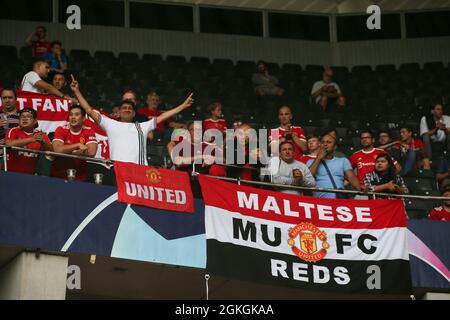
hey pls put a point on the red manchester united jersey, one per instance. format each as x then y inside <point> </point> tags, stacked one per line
<point>24,162</point>
<point>307,157</point>
<point>65,135</point>
<point>219,124</point>
<point>364,161</point>
<point>154,113</point>
<point>439,213</point>
<point>276,134</point>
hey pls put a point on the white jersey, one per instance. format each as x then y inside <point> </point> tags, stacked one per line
<point>29,82</point>
<point>127,141</point>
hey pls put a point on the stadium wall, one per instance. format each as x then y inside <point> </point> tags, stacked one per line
<point>115,39</point>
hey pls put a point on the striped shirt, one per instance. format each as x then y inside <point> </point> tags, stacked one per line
<point>13,121</point>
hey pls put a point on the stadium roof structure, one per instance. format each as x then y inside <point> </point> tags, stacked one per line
<point>322,6</point>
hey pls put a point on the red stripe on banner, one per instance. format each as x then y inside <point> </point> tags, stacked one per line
<point>156,188</point>
<point>52,110</point>
<point>292,209</point>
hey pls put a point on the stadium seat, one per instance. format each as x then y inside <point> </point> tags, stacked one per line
<point>80,55</point>
<point>200,61</point>
<point>420,184</point>
<point>8,53</point>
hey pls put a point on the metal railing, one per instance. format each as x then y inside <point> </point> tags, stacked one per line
<point>269,185</point>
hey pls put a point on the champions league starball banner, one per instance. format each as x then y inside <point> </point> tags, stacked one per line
<point>261,245</point>
<point>305,242</point>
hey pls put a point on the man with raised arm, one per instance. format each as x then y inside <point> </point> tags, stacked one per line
<point>127,140</point>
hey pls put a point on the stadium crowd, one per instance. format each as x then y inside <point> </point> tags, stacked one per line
<point>295,156</point>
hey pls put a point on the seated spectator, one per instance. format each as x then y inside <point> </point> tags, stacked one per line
<point>325,91</point>
<point>313,143</point>
<point>265,84</point>
<point>33,82</point>
<point>9,117</point>
<point>330,171</point>
<point>384,177</point>
<point>443,172</point>
<point>26,136</point>
<point>56,57</point>
<point>287,132</point>
<point>442,213</point>
<point>288,171</point>
<point>412,154</point>
<point>73,138</point>
<point>38,42</point>
<point>204,163</point>
<point>363,161</point>
<point>216,121</point>
<point>164,129</point>
<point>245,147</point>
<point>435,128</point>
<point>59,82</point>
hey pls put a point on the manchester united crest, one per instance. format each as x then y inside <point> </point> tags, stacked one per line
<point>312,243</point>
<point>153,175</point>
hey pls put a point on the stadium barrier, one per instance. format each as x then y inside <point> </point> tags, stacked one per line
<point>372,195</point>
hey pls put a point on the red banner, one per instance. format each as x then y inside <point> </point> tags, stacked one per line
<point>53,112</point>
<point>152,187</point>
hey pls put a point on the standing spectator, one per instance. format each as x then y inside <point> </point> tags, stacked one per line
<point>254,158</point>
<point>130,95</point>
<point>265,84</point>
<point>216,121</point>
<point>127,140</point>
<point>442,213</point>
<point>313,143</point>
<point>435,128</point>
<point>333,132</point>
<point>288,171</point>
<point>287,132</point>
<point>363,161</point>
<point>184,162</point>
<point>115,113</point>
<point>38,42</point>
<point>59,82</point>
<point>412,152</point>
<point>325,91</point>
<point>73,138</point>
<point>164,129</point>
<point>384,177</point>
<point>9,117</point>
<point>443,172</point>
<point>331,171</point>
<point>33,82</point>
<point>56,57</point>
<point>384,139</point>
<point>26,136</point>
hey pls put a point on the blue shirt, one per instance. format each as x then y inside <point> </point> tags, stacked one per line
<point>337,167</point>
<point>53,60</point>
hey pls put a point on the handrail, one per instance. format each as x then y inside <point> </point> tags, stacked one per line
<point>343,191</point>
<point>239,181</point>
<point>57,154</point>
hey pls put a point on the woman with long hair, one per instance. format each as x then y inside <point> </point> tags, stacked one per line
<point>384,178</point>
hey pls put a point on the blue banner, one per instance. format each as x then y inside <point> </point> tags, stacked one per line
<point>52,214</point>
